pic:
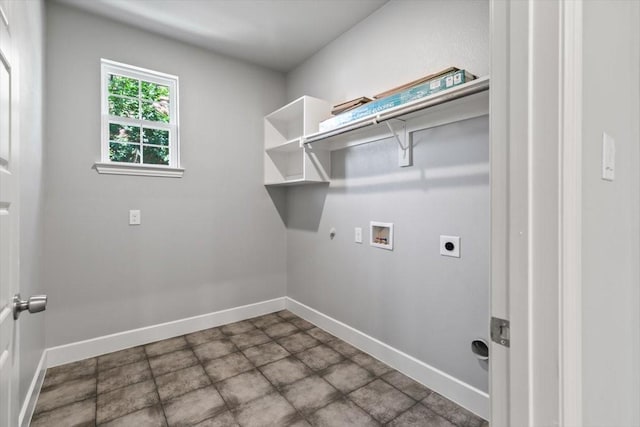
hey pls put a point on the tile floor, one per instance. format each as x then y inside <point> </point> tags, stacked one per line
<point>272,370</point>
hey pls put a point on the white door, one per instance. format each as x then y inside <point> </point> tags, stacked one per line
<point>8,231</point>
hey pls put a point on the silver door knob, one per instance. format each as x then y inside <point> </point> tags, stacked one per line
<point>35,304</point>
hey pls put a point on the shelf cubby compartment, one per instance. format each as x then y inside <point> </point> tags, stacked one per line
<point>287,161</point>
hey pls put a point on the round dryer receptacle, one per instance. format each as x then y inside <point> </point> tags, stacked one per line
<point>480,349</point>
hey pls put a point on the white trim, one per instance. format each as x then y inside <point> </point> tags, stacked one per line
<point>570,274</point>
<point>138,170</point>
<point>30,400</point>
<point>463,394</point>
<point>106,344</point>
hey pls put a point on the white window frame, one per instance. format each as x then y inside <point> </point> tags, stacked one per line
<point>107,166</point>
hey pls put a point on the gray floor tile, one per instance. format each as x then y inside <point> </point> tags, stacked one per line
<point>303,371</point>
<point>173,361</point>
<point>126,400</point>
<point>194,407</point>
<point>244,388</point>
<point>266,320</point>
<point>281,329</point>
<point>204,336</point>
<point>298,342</point>
<point>381,400</point>
<point>310,394</point>
<point>342,413</point>
<point>249,339</point>
<point>228,366</point>
<point>406,385</point>
<point>65,393</point>
<point>320,357</point>
<point>237,327</point>
<point>122,376</point>
<point>122,357</point>
<point>343,348</point>
<point>371,364</point>
<point>266,411</point>
<point>165,346</point>
<point>451,411</point>
<point>285,371</point>
<point>419,416</point>
<point>347,376</point>
<point>147,417</point>
<point>265,353</point>
<point>225,419</point>
<point>320,335</point>
<point>302,324</point>
<point>70,371</point>
<point>79,414</point>
<point>212,350</point>
<point>286,315</point>
<point>181,382</point>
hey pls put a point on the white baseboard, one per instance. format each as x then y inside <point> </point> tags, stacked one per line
<point>106,344</point>
<point>463,394</point>
<point>30,400</point>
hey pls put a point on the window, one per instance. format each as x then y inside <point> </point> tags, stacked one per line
<point>139,122</point>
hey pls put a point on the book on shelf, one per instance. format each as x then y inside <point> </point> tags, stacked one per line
<point>350,105</point>
<point>416,82</point>
<point>453,78</point>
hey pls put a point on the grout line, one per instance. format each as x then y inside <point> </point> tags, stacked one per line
<point>153,378</point>
<point>213,384</point>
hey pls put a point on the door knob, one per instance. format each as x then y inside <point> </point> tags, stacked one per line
<point>35,304</point>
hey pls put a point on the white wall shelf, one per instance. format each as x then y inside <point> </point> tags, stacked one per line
<point>287,161</point>
<point>296,153</point>
<point>462,102</point>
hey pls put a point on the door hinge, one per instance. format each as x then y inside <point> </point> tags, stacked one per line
<point>500,332</point>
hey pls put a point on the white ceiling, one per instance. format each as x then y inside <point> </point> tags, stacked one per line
<point>278,34</point>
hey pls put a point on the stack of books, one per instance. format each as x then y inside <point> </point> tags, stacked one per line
<point>408,92</point>
<point>350,105</point>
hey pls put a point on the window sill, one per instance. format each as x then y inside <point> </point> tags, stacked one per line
<point>138,170</point>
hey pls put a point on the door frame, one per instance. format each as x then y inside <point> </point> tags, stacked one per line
<point>536,113</point>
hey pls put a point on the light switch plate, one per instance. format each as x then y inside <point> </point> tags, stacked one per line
<point>358,235</point>
<point>134,217</point>
<point>608,157</point>
<point>450,246</point>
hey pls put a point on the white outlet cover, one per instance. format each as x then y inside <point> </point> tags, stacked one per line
<point>452,252</point>
<point>358,235</point>
<point>134,217</point>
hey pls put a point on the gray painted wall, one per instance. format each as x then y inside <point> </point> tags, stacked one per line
<point>610,215</point>
<point>413,299</point>
<point>209,241</point>
<point>27,22</point>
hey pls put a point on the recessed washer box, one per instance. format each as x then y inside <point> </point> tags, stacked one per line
<point>450,246</point>
<point>381,234</point>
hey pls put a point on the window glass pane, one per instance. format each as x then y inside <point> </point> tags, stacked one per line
<point>121,133</point>
<point>156,111</point>
<point>128,153</point>
<point>155,92</point>
<point>123,107</point>
<point>119,85</point>
<point>156,155</point>
<point>155,136</point>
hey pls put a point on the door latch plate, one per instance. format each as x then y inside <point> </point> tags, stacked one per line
<point>500,332</point>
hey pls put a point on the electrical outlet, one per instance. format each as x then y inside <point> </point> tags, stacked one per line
<point>358,234</point>
<point>134,217</point>
<point>450,246</point>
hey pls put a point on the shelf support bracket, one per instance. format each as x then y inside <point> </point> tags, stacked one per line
<point>405,147</point>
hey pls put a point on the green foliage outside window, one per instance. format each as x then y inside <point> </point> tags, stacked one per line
<point>138,99</point>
